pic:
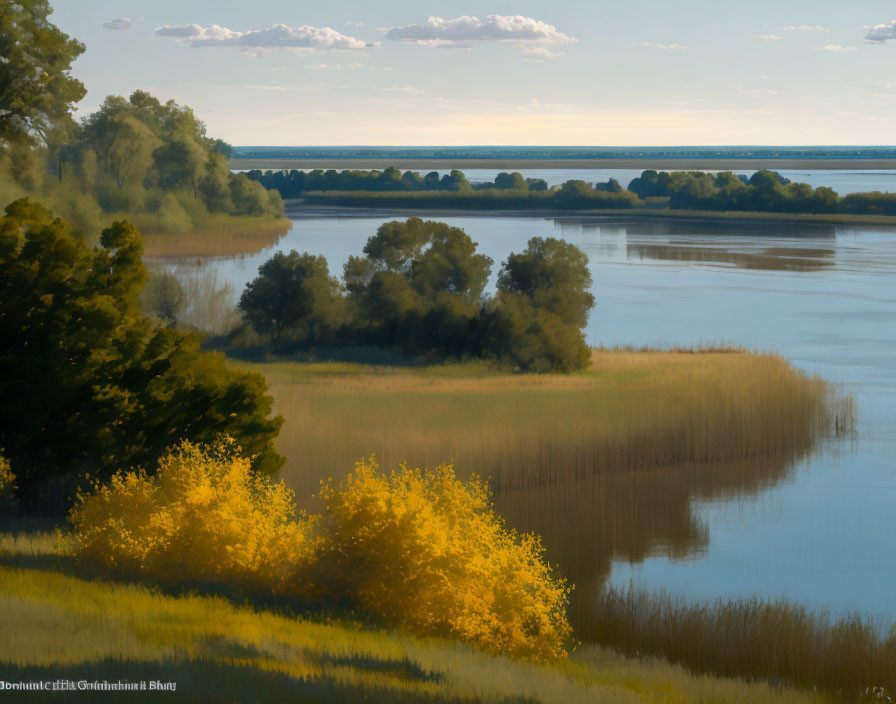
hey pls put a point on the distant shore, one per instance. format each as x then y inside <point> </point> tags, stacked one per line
<point>295,209</point>
<point>518,164</point>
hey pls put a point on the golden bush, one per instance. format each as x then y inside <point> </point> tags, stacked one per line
<point>7,480</point>
<point>203,517</point>
<point>427,551</point>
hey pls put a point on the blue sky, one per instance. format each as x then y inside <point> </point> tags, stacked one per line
<point>512,72</point>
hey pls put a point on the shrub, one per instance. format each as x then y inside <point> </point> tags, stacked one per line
<point>427,551</point>
<point>204,517</point>
<point>7,487</point>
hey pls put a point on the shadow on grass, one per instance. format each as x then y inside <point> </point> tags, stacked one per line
<point>206,681</point>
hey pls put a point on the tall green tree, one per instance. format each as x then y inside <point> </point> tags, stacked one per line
<point>37,93</point>
<point>90,384</point>
<point>295,299</point>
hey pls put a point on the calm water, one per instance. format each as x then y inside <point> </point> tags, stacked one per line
<point>822,532</point>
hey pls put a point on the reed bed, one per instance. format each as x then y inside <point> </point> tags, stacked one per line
<point>632,411</point>
<point>755,639</point>
<point>223,237</point>
<point>57,624</point>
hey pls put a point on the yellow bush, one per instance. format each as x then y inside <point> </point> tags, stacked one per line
<point>203,517</point>
<point>7,480</point>
<point>427,551</point>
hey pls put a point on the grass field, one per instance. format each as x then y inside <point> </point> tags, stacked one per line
<point>58,623</point>
<point>631,411</point>
<point>224,236</point>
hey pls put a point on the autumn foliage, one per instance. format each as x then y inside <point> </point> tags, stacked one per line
<point>203,517</point>
<point>418,549</point>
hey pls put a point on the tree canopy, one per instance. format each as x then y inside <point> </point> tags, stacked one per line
<point>37,93</point>
<point>87,382</point>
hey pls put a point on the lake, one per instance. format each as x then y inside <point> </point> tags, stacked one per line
<point>821,531</point>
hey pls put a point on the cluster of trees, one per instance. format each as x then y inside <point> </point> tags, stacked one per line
<point>419,289</point>
<point>151,161</point>
<point>88,383</point>
<point>765,191</point>
<point>295,183</point>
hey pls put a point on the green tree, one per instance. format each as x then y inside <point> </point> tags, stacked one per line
<point>36,90</point>
<point>87,382</point>
<point>294,297</point>
<point>543,302</point>
<point>554,275</point>
<point>419,287</point>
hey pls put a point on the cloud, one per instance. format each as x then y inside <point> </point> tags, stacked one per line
<point>461,31</point>
<point>768,37</point>
<point>837,49</point>
<point>539,53</point>
<point>881,33</point>
<point>807,28</point>
<point>665,47</point>
<point>301,39</point>
<point>120,23</point>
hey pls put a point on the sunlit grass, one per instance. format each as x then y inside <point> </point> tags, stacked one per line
<point>630,411</point>
<point>58,623</point>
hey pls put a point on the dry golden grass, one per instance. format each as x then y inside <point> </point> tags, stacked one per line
<point>630,411</point>
<point>59,624</point>
<point>222,237</point>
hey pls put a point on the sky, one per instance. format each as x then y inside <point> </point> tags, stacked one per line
<point>515,72</point>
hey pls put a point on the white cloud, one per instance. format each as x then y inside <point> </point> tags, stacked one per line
<point>120,23</point>
<point>837,49</point>
<point>807,28</point>
<point>410,90</point>
<point>539,53</point>
<point>321,67</point>
<point>461,31</point>
<point>665,47</point>
<point>768,37</point>
<point>301,39</point>
<point>880,33</point>
<point>356,65</point>
<point>354,24</point>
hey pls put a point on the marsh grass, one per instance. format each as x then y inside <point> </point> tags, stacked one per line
<point>756,639</point>
<point>222,236</point>
<point>631,411</point>
<point>58,624</point>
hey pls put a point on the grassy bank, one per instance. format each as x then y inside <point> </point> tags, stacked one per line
<point>223,236</point>
<point>630,411</point>
<point>60,623</point>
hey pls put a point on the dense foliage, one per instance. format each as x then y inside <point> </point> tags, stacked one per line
<point>295,183</point>
<point>427,551</point>
<point>203,516</point>
<point>137,158</point>
<point>294,293</point>
<point>419,290</point>
<point>418,549</point>
<point>37,94</point>
<point>89,383</point>
<point>764,191</point>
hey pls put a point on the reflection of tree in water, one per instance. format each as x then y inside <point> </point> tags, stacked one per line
<point>632,515</point>
<point>768,258</point>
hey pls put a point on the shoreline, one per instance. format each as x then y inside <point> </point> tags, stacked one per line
<point>721,164</point>
<point>297,211</point>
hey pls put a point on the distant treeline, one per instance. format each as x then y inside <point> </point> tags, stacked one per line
<point>765,191</point>
<point>418,290</point>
